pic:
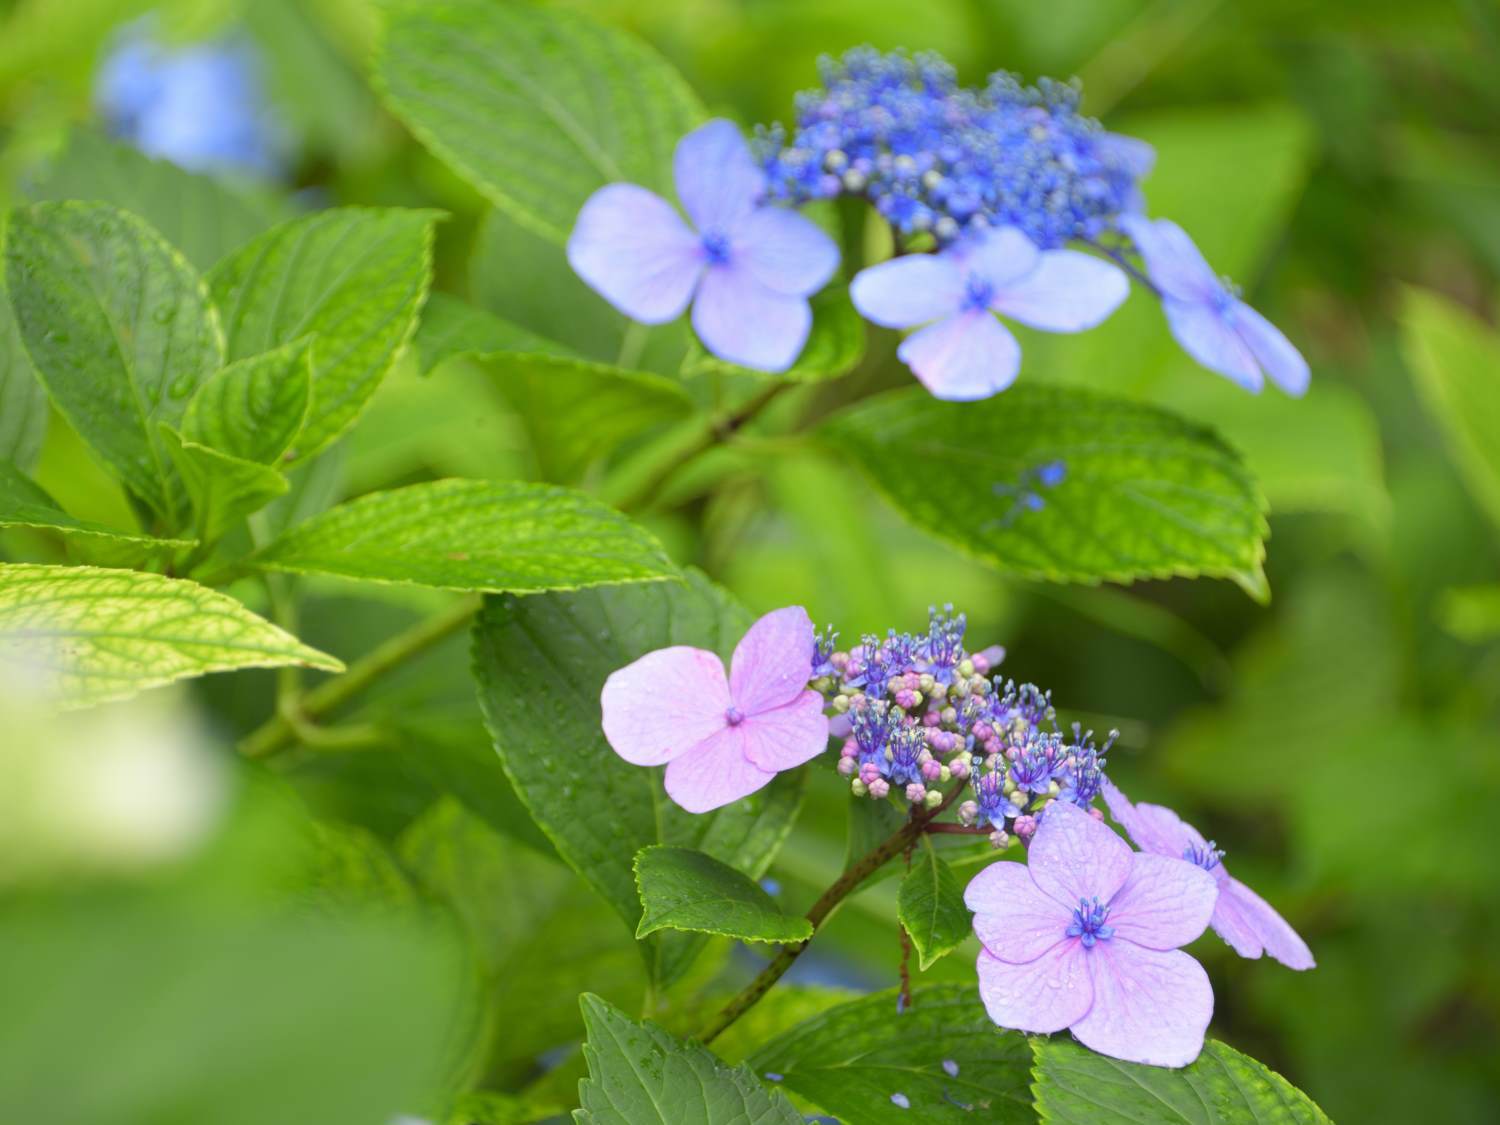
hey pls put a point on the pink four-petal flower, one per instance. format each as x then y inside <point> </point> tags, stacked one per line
<point>1241,917</point>
<point>1084,936</point>
<point>720,738</point>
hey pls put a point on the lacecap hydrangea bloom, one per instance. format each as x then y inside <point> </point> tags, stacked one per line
<point>1086,935</point>
<point>203,106</point>
<point>1002,200</point>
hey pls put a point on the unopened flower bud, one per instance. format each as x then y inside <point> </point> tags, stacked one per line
<point>932,769</point>
<point>950,714</point>
<point>850,749</point>
<point>959,768</point>
<point>846,766</point>
<point>1025,827</point>
<point>968,812</point>
<point>841,703</point>
<point>925,682</point>
<point>966,668</point>
<point>999,839</point>
<point>933,799</point>
<point>858,787</point>
<point>880,789</point>
<point>869,772</point>
<point>916,792</point>
<point>945,774</point>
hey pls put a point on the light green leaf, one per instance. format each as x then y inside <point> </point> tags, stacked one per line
<point>473,535</point>
<point>568,944</point>
<point>577,412</point>
<point>203,217</point>
<point>541,662</point>
<point>96,635</point>
<point>535,107</point>
<point>452,327</point>
<point>640,1075</point>
<point>1146,494</point>
<point>835,344</point>
<point>1075,1086</point>
<point>1471,613</point>
<point>683,889</point>
<point>120,329</point>
<point>24,503</point>
<point>353,277</point>
<point>931,906</point>
<point>253,409</point>
<point>850,1060</point>
<point>222,489</point>
<point>1455,360</point>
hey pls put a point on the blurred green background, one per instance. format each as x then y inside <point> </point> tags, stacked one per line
<point>1341,160</point>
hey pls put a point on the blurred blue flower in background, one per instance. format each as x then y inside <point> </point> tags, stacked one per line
<point>202,106</point>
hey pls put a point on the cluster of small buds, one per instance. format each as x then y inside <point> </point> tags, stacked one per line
<point>934,157</point>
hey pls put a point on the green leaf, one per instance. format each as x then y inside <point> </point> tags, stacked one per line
<point>23,403</point>
<point>535,107</point>
<point>253,409</point>
<point>24,503</point>
<point>639,1075</point>
<point>931,906</point>
<point>850,1060</point>
<point>1471,613</point>
<point>203,217</point>
<point>870,824</point>
<point>683,889</point>
<point>1146,494</point>
<point>452,328</point>
<point>353,277</point>
<point>568,944</point>
<point>108,634</point>
<point>576,411</point>
<point>1075,1086</point>
<point>834,346</point>
<point>541,662</point>
<point>1454,358</point>
<point>222,489</point>
<point>120,329</point>
<point>473,535</point>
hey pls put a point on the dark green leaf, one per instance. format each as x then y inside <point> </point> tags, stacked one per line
<point>23,503</point>
<point>851,1059</point>
<point>253,409</point>
<point>577,412</point>
<point>107,634</point>
<point>683,889</point>
<point>541,662</point>
<point>1146,494</point>
<point>870,823</point>
<point>353,277</point>
<point>473,535</point>
<point>1075,1086</point>
<point>931,906</point>
<point>640,1075</point>
<point>536,107</point>
<point>835,344</point>
<point>120,329</point>
<point>451,328</point>
<point>201,216</point>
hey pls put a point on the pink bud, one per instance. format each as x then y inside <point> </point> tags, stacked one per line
<point>932,769</point>
<point>931,718</point>
<point>983,731</point>
<point>959,767</point>
<point>1025,827</point>
<point>846,766</point>
<point>912,681</point>
<point>850,749</point>
<point>981,663</point>
<point>906,699</point>
<point>968,812</point>
<point>916,792</point>
<point>880,789</point>
<point>869,773</point>
<point>999,839</point>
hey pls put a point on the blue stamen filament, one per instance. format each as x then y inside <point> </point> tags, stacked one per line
<point>1206,856</point>
<point>978,293</point>
<point>1088,923</point>
<point>716,247</point>
<point>734,716</point>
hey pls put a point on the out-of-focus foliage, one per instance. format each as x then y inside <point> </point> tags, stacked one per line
<point>392,925</point>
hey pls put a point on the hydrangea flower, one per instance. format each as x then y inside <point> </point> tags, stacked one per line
<point>1085,936</point>
<point>720,738</point>
<point>1241,917</point>
<point>965,353</point>
<point>202,106</point>
<point>746,266</point>
<point>1209,320</point>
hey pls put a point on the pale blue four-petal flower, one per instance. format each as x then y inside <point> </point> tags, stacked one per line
<point>1212,324</point>
<point>746,267</point>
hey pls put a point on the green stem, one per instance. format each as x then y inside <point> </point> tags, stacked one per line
<point>296,714</point>
<point>715,432</point>
<point>846,884</point>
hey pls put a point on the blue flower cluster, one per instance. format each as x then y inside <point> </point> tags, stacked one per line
<point>202,106</point>
<point>918,711</point>
<point>932,156</point>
